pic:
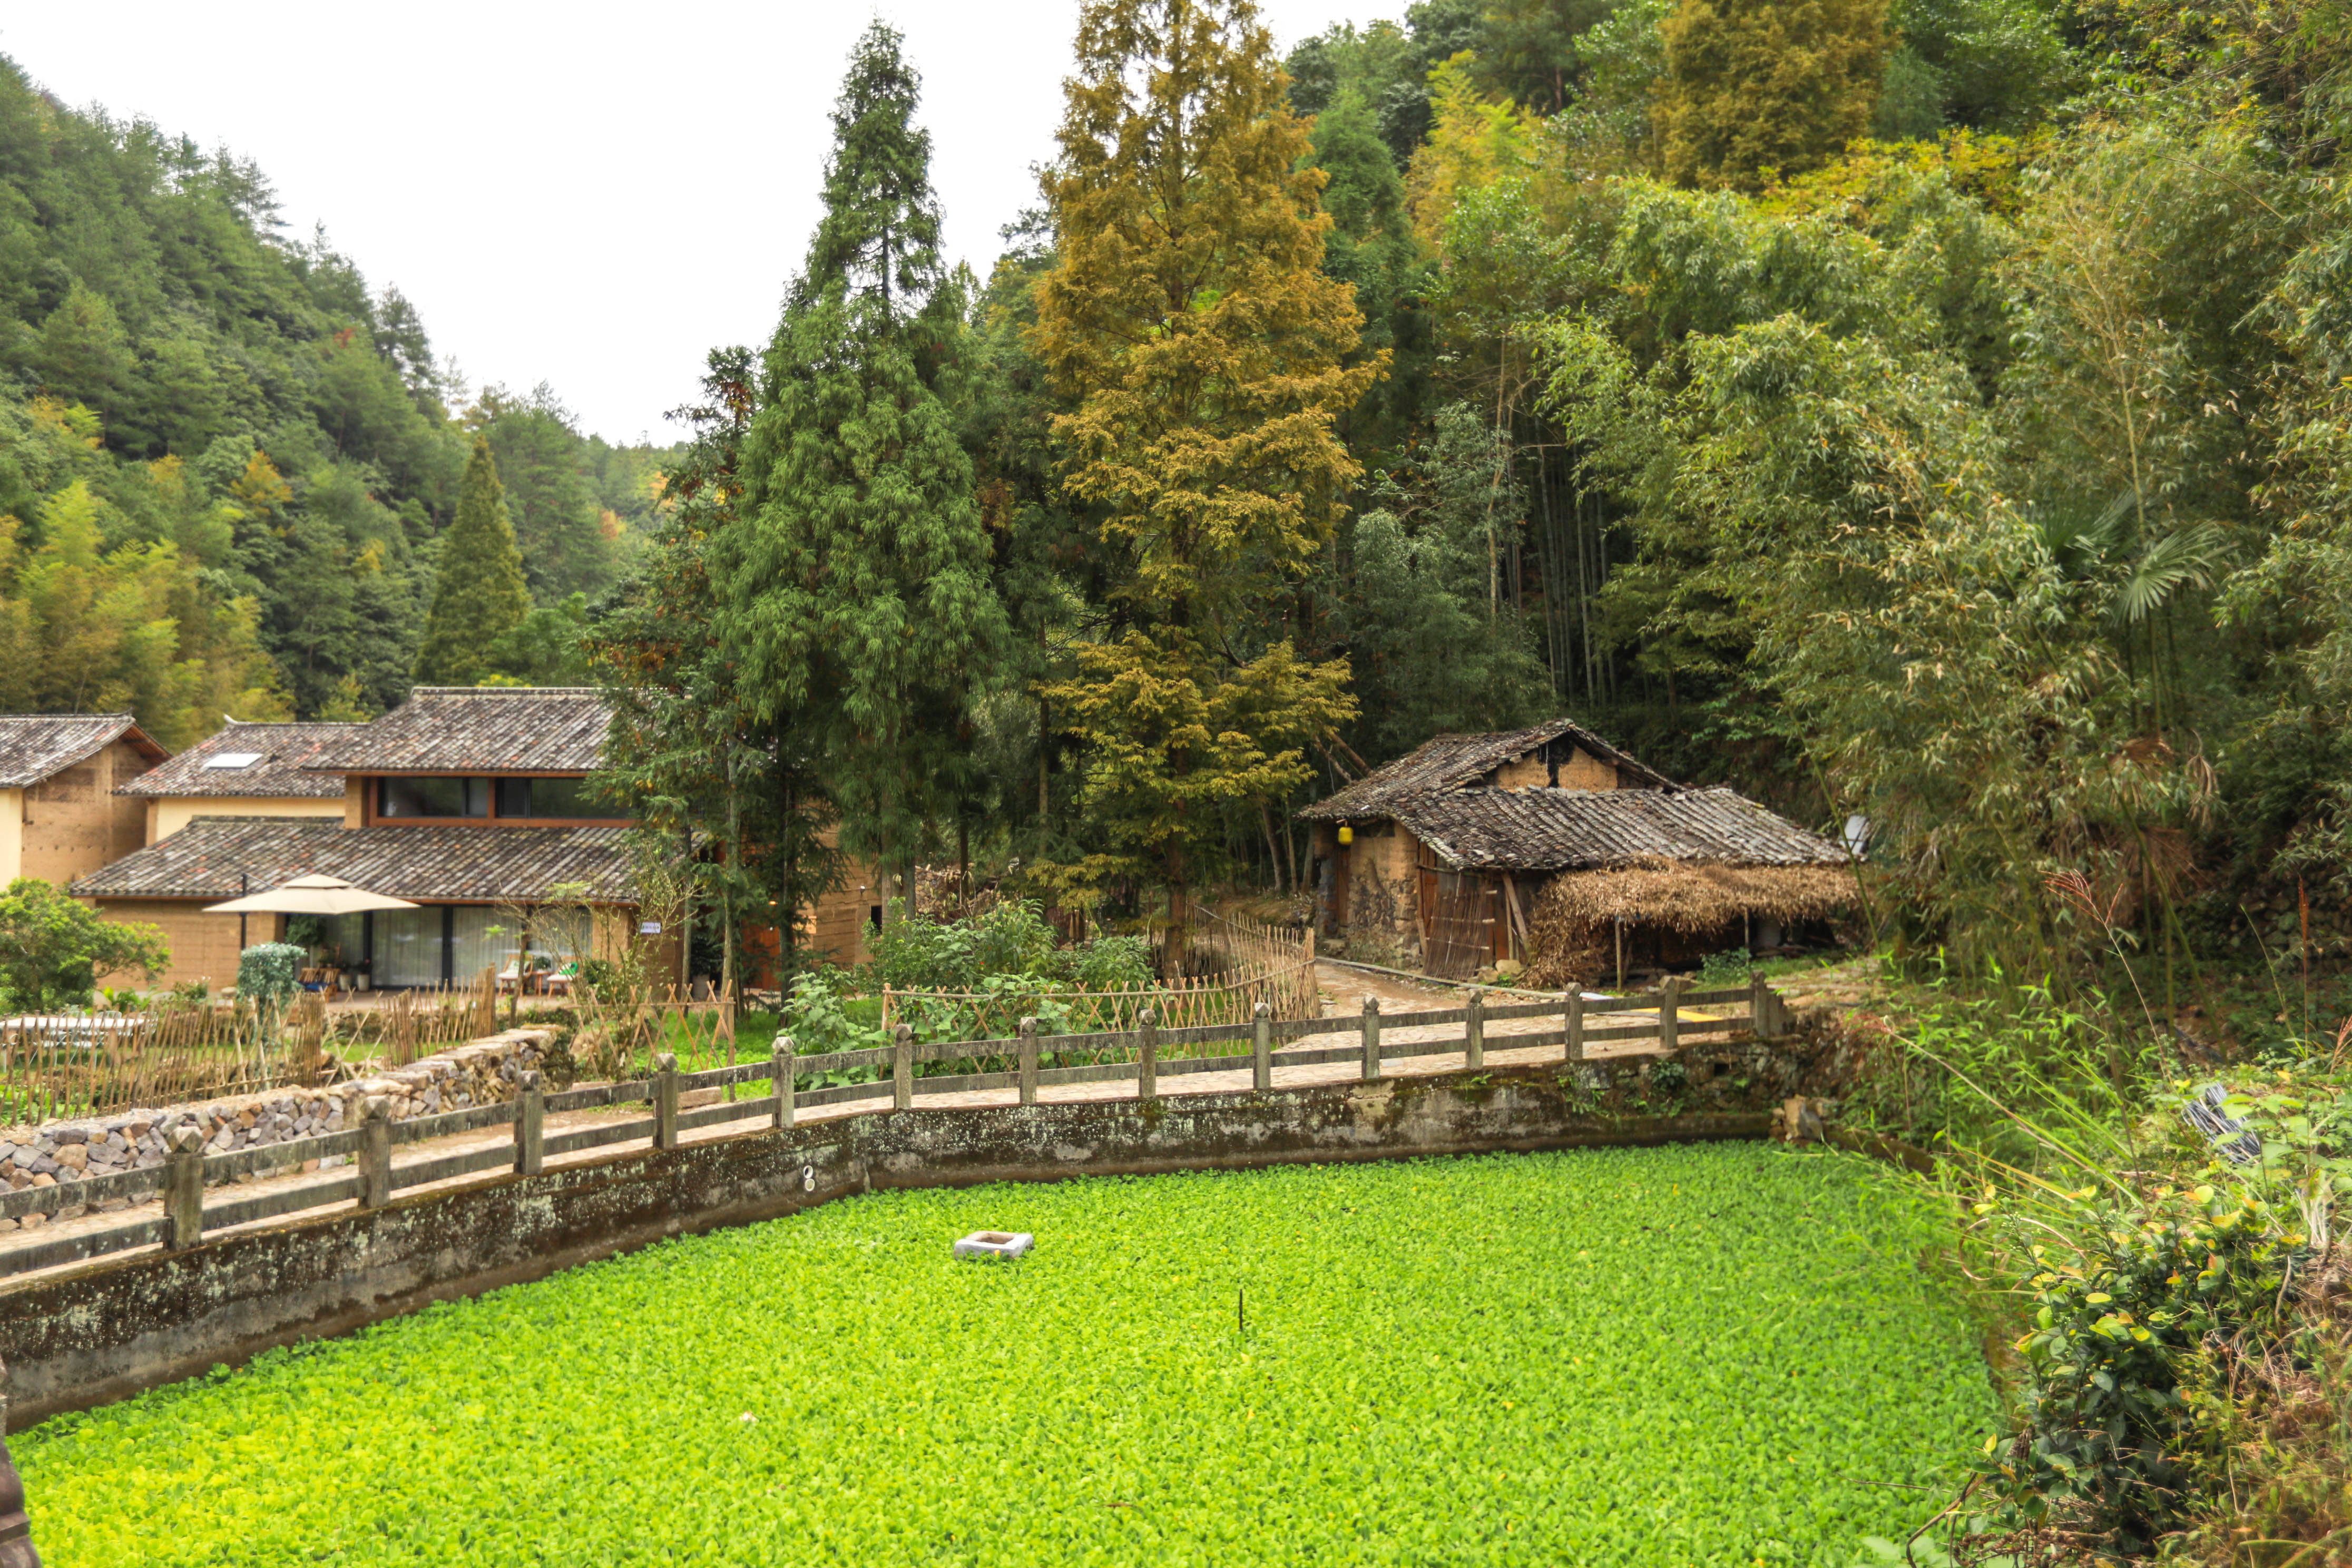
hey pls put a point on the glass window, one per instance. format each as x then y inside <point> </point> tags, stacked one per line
<point>514,797</point>
<point>434,797</point>
<point>408,947</point>
<point>548,799</point>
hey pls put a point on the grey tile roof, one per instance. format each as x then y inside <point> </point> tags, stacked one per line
<point>35,746</point>
<point>1584,830</point>
<point>281,750</point>
<point>479,728</point>
<point>1451,761</point>
<point>425,863</point>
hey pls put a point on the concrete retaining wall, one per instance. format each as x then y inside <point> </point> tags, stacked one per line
<point>103,1331</point>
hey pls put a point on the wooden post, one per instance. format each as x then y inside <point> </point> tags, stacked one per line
<point>1028,1048</point>
<point>531,1127</point>
<point>1670,1021</point>
<point>1473,1030</point>
<point>184,1188</point>
<point>1262,1048</point>
<point>666,1100</point>
<point>779,1082</point>
<point>902,1068</point>
<point>375,1153</point>
<point>1147,1054</point>
<point>1370,1024</point>
<point>1575,1011</point>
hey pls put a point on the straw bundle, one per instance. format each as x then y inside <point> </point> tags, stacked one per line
<point>1572,932</point>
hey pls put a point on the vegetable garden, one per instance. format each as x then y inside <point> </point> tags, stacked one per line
<point>1704,1354</point>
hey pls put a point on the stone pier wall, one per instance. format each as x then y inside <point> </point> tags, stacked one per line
<point>65,1151</point>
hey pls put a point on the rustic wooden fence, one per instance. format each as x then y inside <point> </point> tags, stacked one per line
<point>1252,963</point>
<point>54,1065</point>
<point>1148,1055</point>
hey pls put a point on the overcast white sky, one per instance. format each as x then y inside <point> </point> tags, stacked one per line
<point>589,194</point>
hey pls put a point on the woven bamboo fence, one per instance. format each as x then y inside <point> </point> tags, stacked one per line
<point>55,1064</point>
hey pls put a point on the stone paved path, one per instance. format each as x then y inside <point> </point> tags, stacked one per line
<point>1344,990</point>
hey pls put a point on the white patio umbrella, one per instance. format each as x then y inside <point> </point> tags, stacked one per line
<point>311,895</point>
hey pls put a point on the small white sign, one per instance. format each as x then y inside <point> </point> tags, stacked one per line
<point>649,928</point>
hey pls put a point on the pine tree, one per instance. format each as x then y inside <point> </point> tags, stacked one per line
<point>856,594</point>
<point>1763,87</point>
<point>1207,352</point>
<point>479,595</point>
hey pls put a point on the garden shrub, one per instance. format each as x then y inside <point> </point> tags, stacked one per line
<point>268,972</point>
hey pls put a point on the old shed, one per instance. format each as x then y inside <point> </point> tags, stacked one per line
<point>1551,846</point>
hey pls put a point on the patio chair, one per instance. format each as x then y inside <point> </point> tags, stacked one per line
<point>558,981</point>
<point>511,975</point>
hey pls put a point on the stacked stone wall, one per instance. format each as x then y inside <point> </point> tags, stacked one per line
<point>64,1152</point>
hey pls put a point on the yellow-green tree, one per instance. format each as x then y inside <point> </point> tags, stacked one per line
<point>1190,323</point>
<point>1759,86</point>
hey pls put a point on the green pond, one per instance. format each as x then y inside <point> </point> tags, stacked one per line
<point>1719,1353</point>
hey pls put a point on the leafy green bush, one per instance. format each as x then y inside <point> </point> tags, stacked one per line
<point>53,948</point>
<point>1713,1354</point>
<point>268,972</point>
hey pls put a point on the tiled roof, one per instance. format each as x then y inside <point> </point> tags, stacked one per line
<point>279,753</point>
<point>1584,830</point>
<point>1451,761</point>
<point>35,746</point>
<point>206,858</point>
<point>479,728</point>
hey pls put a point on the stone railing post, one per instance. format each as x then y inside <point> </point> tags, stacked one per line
<point>531,1126</point>
<point>1370,1024</point>
<point>1474,1031</point>
<point>902,1068</point>
<point>183,1187</point>
<point>780,1083</point>
<point>1028,1050</point>
<point>1262,1048</point>
<point>1574,1010</point>
<point>1147,1054</point>
<point>375,1153</point>
<point>666,1100</point>
<point>1670,1021</point>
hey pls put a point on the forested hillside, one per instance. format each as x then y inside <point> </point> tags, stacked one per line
<point>227,461</point>
<point>1934,414</point>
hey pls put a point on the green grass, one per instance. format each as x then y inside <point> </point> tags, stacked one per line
<point>1709,1355</point>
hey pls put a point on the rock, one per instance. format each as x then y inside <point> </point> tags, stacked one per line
<point>74,1157</point>
<point>32,1221</point>
<point>65,1135</point>
<point>44,1180</point>
<point>45,1166</point>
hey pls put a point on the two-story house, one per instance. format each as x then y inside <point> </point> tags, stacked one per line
<point>469,802</point>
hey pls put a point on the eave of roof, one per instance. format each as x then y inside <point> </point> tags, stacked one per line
<point>218,858</point>
<point>1544,830</point>
<point>35,746</point>
<point>1455,761</point>
<point>280,774</point>
<point>550,729</point>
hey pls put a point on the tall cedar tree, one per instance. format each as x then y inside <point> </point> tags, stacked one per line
<point>478,596</point>
<point>1759,87</point>
<point>856,595</point>
<point>1207,352</point>
<point>687,752</point>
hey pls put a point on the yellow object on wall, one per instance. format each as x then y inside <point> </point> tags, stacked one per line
<point>1347,834</point>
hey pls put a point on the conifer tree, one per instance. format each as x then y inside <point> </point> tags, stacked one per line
<point>1191,320</point>
<point>1759,86</point>
<point>856,594</point>
<point>479,595</point>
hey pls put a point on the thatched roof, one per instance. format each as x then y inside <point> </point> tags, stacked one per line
<point>1580,830</point>
<point>1454,761</point>
<point>1691,897</point>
